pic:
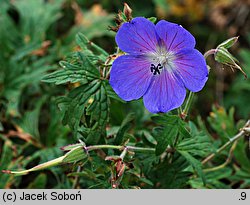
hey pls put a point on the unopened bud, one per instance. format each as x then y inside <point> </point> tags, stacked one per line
<point>127,12</point>
<point>222,55</point>
<point>229,42</point>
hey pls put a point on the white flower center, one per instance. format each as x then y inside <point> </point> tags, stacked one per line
<point>161,59</point>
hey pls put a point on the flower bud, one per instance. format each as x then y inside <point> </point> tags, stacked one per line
<point>222,55</point>
<point>229,42</point>
<point>122,17</point>
<point>127,12</point>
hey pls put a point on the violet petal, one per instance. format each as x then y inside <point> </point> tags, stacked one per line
<point>175,37</point>
<point>137,36</point>
<point>165,93</point>
<point>192,69</point>
<point>130,76</point>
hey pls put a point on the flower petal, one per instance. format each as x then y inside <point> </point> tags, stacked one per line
<point>174,36</point>
<point>165,93</point>
<point>130,76</point>
<point>191,68</point>
<point>137,36</point>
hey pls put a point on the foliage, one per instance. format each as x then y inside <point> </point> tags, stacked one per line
<point>64,127</point>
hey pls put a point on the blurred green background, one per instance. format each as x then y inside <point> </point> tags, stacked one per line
<point>36,34</point>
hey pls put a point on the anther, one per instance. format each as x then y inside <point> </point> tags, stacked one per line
<point>156,69</point>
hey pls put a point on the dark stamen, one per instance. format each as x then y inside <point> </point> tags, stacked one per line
<point>156,69</point>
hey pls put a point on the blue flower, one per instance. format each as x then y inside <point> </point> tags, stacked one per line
<point>161,62</point>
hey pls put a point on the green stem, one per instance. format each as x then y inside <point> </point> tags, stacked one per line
<point>123,154</point>
<point>140,149</point>
<point>179,110</point>
<point>119,147</point>
<point>226,162</point>
<point>231,140</point>
<point>95,147</point>
<point>187,105</point>
<point>76,181</point>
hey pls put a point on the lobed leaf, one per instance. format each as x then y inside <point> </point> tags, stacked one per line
<point>165,138</point>
<point>195,164</point>
<point>81,71</point>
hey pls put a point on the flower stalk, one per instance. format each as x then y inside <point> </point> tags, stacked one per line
<point>210,52</point>
<point>187,105</point>
<point>119,147</point>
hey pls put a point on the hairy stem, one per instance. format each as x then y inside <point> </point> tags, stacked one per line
<point>242,133</point>
<point>123,154</point>
<point>226,162</point>
<point>210,52</point>
<point>187,105</point>
<point>76,181</point>
<point>119,147</point>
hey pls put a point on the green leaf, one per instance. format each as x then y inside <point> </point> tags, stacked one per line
<point>39,182</point>
<point>16,79</point>
<point>195,164</point>
<point>214,179</point>
<point>26,50</point>
<point>165,119</point>
<point>152,19</point>
<point>98,111</point>
<point>79,67</point>
<point>243,176</point>
<point>145,180</point>
<point>165,137</point>
<point>85,44</point>
<point>35,16</point>
<point>198,145</point>
<point>30,120</point>
<point>222,122</point>
<point>81,71</point>
<point>166,134</point>
<point>241,154</point>
<point>124,128</point>
<point>183,130</point>
<point>173,174</point>
<point>74,104</point>
<point>87,107</point>
<point>149,139</point>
